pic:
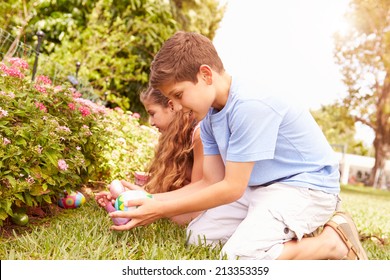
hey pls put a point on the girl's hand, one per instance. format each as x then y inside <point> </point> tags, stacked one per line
<point>102,198</point>
<point>131,186</point>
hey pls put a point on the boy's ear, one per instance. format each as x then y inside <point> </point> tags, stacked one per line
<point>205,72</point>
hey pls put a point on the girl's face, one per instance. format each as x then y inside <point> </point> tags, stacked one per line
<point>160,116</point>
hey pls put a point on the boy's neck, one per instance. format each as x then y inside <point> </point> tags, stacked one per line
<point>222,84</point>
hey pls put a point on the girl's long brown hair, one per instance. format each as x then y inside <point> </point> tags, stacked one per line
<point>173,154</point>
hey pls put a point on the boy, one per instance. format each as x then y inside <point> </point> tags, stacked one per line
<point>269,175</point>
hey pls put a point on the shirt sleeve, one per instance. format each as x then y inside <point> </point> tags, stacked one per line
<point>210,146</point>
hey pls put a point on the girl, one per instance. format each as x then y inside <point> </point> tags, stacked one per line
<point>179,154</point>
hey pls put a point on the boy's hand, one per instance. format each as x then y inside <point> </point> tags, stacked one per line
<point>148,211</point>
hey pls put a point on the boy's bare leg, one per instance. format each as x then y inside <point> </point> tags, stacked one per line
<point>339,240</point>
<point>328,245</point>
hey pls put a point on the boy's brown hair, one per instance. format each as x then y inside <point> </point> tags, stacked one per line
<point>181,56</point>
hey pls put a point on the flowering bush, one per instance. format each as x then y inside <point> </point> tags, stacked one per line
<point>127,145</point>
<point>53,140</point>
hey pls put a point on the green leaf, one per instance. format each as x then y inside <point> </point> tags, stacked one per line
<point>28,199</point>
<point>21,142</point>
<point>3,214</point>
<point>47,198</point>
<point>6,206</point>
<point>51,156</point>
<point>19,196</point>
<point>11,180</point>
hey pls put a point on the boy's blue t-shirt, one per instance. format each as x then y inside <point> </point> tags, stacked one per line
<point>285,143</point>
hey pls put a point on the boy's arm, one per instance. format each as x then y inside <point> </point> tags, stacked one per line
<point>197,167</point>
<point>220,185</point>
<point>213,172</point>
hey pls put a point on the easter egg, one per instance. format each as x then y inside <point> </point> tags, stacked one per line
<point>116,188</point>
<point>123,198</point>
<point>20,219</point>
<point>72,200</point>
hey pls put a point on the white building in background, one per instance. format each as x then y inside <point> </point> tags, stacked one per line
<point>356,169</point>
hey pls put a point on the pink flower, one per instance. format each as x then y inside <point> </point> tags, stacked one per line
<point>136,115</point>
<point>71,106</point>
<point>39,149</point>
<point>11,71</point>
<point>91,105</point>
<point>87,131</point>
<point>41,79</point>
<point>30,180</point>
<point>41,107</point>
<point>84,111</point>
<point>3,113</point>
<point>119,110</point>
<point>11,94</point>
<point>58,89</point>
<point>62,165</point>
<point>6,141</point>
<point>75,93</point>
<point>64,129</point>
<point>18,63</point>
<point>40,88</point>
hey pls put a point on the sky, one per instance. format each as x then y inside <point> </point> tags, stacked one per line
<point>286,48</point>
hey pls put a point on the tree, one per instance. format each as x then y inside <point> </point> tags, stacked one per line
<point>58,19</point>
<point>115,40</point>
<point>117,46</point>
<point>363,53</point>
<point>338,127</point>
<point>201,16</point>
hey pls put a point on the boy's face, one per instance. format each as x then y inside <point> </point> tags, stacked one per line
<point>197,98</point>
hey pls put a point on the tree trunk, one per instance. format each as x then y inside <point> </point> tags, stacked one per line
<point>382,135</point>
<point>377,173</point>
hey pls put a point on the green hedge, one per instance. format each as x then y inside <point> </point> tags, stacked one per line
<point>51,140</point>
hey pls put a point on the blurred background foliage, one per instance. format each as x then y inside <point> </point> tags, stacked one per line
<point>114,40</point>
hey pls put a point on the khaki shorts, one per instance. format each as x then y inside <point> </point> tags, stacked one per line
<point>258,224</point>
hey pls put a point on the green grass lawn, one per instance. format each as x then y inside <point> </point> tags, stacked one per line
<point>83,234</point>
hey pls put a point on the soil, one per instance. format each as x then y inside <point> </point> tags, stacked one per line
<point>37,216</point>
